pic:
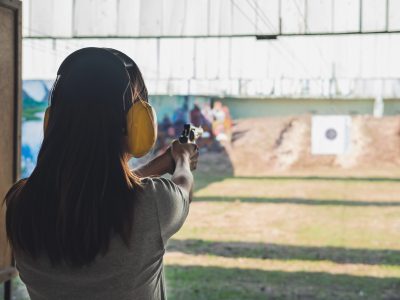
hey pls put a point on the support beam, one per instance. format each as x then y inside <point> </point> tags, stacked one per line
<point>214,35</point>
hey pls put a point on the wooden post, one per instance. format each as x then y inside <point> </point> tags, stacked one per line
<point>10,121</point>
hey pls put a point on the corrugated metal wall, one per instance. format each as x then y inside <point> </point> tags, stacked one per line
<point>205,17</point>
<point>341,66</point>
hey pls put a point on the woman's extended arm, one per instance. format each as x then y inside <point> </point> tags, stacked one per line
<point>161,165</point>
<point>185,157</point>
<point>166,163</point>
<point>183,176</point>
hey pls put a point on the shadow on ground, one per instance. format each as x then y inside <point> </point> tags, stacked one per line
<point>301,201</point>
<point>287,252</point>
<point>323,178</point>
<point>211,283</point>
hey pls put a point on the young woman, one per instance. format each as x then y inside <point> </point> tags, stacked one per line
<point>83,225</point>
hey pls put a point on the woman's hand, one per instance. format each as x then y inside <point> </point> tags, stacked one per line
<point>186,152</point>
<point>194,160</point>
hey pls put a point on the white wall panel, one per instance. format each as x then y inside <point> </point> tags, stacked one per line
<point>151,15</point>
<point>128,17</point>
<point>176,58</point>
<point>145,55</point>
<point>207,58</point>
<point>346,59</point>
<point>224,58</point>
<point>95,17</point>
<point>300,65</point>
<point>393,57</point>
<point>319,15</point>
<point>293,16</point>
<point>174,17</point>
<point>213,58</point>
<point>373,15</point>
<point>26,17</point>
<point>368,63</point>
<point>225,21</point>
<point>202,59</point>
<point>267,16</point>
<point>244,16</point>
<point>196,17</point>
<point>214,19</point>
<point>346,15</point>
<point>244,63</point>
<point>62,18</point>
<point>394,15</point>
<point>40,59</point>
<point>202,17</point>
<point>41,18</point>
<point>260,60</point>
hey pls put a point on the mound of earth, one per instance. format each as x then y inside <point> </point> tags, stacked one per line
<point>266,146</point>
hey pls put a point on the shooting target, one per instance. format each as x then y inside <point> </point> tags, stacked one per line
<point>330,135</point>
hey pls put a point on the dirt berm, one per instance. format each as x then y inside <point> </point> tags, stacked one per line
<point>266,146</point>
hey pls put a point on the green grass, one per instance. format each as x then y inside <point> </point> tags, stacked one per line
<point>214,283</point>
<point>288,238</point>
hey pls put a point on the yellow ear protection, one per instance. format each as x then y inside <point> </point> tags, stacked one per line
<point>141,123</point>
<point>141,119</point>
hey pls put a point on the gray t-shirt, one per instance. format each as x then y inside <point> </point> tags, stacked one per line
<point>122,274</point>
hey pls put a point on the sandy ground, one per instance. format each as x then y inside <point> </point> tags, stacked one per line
<point>283,145</point>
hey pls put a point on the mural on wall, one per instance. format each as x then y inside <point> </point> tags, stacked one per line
<point>172,113</point>
<point>35,98</point>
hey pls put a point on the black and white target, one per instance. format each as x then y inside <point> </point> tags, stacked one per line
<point>330,135</point>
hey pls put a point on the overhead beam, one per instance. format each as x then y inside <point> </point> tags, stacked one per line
<point>268,36</point>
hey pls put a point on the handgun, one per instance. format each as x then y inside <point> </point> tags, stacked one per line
<point>190,134</point>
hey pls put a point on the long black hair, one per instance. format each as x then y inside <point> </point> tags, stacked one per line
<point>81,192</point>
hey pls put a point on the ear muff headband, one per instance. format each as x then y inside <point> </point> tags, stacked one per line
<point>141,121</point>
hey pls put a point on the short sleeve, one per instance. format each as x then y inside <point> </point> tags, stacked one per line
<point>172,206</point>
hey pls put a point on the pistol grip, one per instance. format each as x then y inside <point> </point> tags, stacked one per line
<point>183,139</point>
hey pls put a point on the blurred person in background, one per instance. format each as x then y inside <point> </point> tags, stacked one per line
<point>196,117</point>
<point>228,123</point>
<point>164,138</point>
<point>219,121</point>
<point>207,120</point>
<point>180,116</point>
